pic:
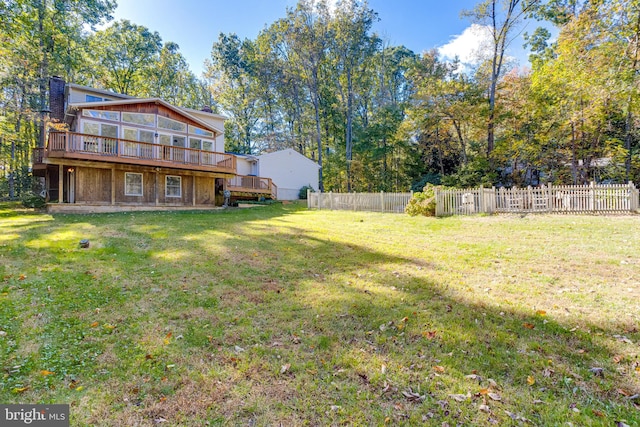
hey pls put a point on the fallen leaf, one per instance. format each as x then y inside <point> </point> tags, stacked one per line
<point>623,392</point>
<point>618,358</point>
<point>413,396</point>
<point>45,372</point>
<point>429,334</point>
<point>19,390</point>
<point>483,391</point>
<point>285,368</point>
<point>531,380</point>
<point>529,325</point>
<point>438,368</point>
<point>22,277</point>
<point>598,413</point>
<point>169,334</point>
<point>108,326</point>
<point>474,377</point>
<point>541,313</point>
<point>484,408</point>
<point>494,396</point>
<point>95,324</point>
<point>458,397</point>
<point>598,372</point>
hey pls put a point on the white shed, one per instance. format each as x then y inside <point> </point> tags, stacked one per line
<point>290,171</point>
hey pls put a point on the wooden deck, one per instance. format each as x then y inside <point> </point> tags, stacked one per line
<point>72,145</point>
<point>252,186</point>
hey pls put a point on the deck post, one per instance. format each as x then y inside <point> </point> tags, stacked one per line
<point>155,189</point>
<point>193,189</point>
<point>113,184</point>
<point>60,183</point>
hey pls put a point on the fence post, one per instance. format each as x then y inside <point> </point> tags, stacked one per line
<point>319,200</point>
<point>331,200</point>
<point>592,195</point>
<point>482,210</point>
<point>549,197</point>
<point>308,199</point>
<point>382,201</point>
<point>438,204</point>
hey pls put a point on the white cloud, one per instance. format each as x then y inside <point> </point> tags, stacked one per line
<point>470,47</point>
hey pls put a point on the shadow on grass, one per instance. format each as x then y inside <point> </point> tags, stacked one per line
<point>223,317</point>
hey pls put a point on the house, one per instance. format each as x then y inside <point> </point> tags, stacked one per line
<point>290,171</point>
<point>116,152</point>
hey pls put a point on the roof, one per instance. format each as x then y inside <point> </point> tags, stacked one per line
<point>191,110</point>
<point>291,152</point>
<point>100,91</point>
<point>131,100</point>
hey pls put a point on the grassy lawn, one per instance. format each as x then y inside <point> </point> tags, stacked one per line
<point>282,315</point>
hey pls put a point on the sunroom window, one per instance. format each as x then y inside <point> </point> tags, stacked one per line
<point>139,119</point>
<point>166,123</point>
<point>101,114</point>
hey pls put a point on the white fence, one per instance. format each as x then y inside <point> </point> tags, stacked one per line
<point>559,199</point>
<point>374,202</point>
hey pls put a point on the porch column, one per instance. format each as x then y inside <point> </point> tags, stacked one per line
<point>60,183</point>
<point>113,185</point>
<point>156,186</point>
<point>193,189</point>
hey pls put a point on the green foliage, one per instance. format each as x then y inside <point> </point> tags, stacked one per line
<point>302,194</point>
<point>32,200</point>
<point>474,174</point>
<point>423,203</point>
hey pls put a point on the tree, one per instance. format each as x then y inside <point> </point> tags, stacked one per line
<point>501,17</point>
<point>122,54</point>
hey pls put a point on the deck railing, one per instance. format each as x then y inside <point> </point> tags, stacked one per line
<point>122,149</point>
<point>244,183</point>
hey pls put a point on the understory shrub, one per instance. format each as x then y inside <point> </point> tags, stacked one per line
<point>32,200</point>
<point>303,192</point>
<point>423,203</point>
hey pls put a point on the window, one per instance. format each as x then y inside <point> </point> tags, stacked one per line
<point>138,135</point>
<point>166,123</point>
<point>197,131</point>
<point>132,184</point>
<point>100,114</point>
<point>91,98</point>
<point>207,145</point>
<point>139,119</point>
<point>173,186</point>
<point>106,144</point>
<point>195,143</point>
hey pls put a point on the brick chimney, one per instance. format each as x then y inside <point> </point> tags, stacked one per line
<point>56,98</point>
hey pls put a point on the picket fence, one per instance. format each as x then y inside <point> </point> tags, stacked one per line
<point>591,198</point>
<point>373,202</point>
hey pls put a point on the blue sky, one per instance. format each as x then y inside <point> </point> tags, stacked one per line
<point>195,24</point>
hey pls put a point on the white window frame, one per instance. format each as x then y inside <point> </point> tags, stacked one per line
<point>101,114</point>
<point>126,176</point>
<point>166,186</point>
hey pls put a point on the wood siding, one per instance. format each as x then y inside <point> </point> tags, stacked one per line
<point>93,185</point>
